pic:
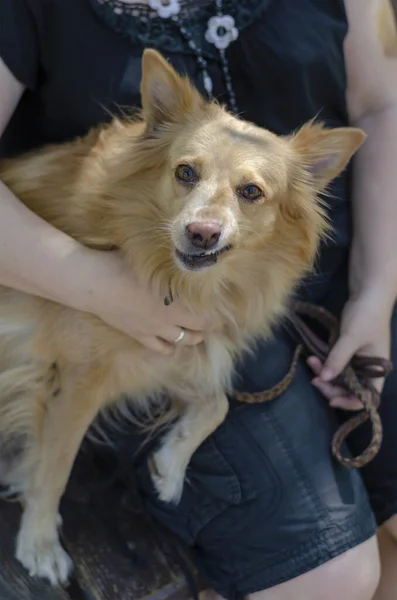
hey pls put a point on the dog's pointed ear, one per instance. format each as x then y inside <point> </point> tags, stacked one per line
<point>166,96</point>
<point>326,152</point>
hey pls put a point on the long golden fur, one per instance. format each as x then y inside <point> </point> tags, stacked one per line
<point>116,187</point>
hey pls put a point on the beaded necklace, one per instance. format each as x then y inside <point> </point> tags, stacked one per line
<point>221,32</point>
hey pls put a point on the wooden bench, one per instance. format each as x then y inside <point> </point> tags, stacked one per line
<point>115,552</point>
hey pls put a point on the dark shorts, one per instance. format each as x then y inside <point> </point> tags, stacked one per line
<point>265,501</point>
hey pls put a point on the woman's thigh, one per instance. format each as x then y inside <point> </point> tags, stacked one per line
<point>265,502</point>
<point>353,575</point>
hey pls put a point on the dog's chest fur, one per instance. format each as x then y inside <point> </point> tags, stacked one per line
<point>207,367</point>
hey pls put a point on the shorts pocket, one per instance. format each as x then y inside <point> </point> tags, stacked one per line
<point>228,472</point>
<point>212,486</point>
<point>225,474</point>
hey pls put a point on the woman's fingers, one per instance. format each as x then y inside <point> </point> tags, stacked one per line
<point>167,343</point>
<point>156,345</point>
<point>315,364</point>
<point>338,397</point>
<point>182,337</point>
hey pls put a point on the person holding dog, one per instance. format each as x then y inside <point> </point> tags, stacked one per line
<point>271,515</point>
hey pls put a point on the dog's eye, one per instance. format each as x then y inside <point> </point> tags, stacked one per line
<point>251,192</point>
<point>185,173</point>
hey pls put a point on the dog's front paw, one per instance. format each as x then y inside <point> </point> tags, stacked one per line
<point>44,558</point>
<point>168,479</point>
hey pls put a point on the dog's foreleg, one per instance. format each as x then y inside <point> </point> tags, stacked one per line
<point>168,464</point>
<point>68,417</point>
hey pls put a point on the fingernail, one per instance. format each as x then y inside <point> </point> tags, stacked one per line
<point>327,374</point>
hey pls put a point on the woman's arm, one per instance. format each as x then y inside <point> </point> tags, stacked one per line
<point>371,62</point>
<point>38,259</point>
<point>31,251</point>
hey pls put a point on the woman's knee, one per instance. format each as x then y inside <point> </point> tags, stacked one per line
<point>353,575</point>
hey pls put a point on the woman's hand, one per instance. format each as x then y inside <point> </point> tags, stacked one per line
<point>119,300</point>
<point>365,330</point>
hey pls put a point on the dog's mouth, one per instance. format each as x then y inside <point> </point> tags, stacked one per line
<point>196,262</point>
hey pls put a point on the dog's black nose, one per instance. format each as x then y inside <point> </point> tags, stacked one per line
<point>204,234</point>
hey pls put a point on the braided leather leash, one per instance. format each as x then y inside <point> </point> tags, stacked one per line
<point>355,378</point>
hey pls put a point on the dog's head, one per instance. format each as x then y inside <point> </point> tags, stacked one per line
<point>219,188</point>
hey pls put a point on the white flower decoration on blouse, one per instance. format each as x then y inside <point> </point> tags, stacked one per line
<point>165,10</point>
<point>221,31</point>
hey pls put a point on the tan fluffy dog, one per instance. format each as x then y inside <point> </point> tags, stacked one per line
<point>221,212</point>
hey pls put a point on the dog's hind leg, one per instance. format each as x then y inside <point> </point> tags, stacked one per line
<point>67,419</point>
<point>168,464</point>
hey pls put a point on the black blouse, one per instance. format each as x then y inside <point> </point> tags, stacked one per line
<point>81,60</point>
